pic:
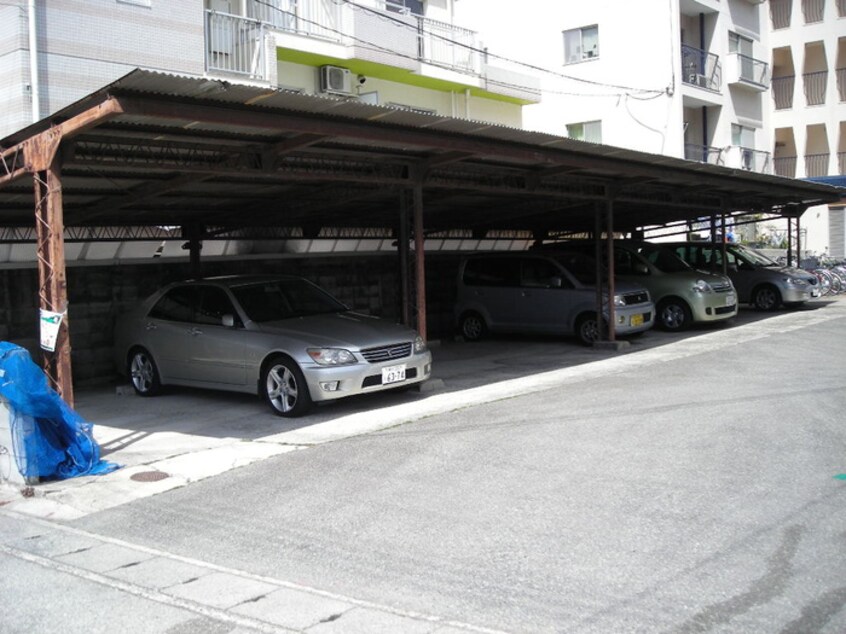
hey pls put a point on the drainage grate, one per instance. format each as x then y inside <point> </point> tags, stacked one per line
<point>148,476</point>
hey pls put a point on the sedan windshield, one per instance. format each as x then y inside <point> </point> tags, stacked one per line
<point>284,299</point>
<point>753,257</point>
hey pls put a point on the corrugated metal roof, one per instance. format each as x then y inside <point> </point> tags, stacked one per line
<point>204,150</point>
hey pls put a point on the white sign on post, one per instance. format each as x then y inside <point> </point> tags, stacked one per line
<point>50,323</point>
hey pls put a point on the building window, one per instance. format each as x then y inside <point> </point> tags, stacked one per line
<point>581,44</point>
<point>415,7</point>
<point>590,131</point>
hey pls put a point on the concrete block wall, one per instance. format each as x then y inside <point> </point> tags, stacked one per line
<point>97,295</point>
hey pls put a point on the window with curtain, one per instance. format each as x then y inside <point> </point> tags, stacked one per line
<point>581,44</point>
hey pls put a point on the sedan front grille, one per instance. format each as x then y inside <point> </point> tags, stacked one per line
<point>721,287</point>
<point>387,353</point>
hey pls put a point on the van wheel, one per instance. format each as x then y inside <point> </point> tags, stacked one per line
<point>674,315</point>
<point>588,329</point>
<point>766,297</point>
<point>472,327</point>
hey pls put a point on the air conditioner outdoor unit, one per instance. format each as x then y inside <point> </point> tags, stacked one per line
<point>335,80</point>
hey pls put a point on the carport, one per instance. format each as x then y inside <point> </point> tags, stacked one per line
<point>175,158</point>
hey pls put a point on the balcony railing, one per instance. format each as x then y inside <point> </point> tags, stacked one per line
<point>783,91</point>
<point>447,45</point>
<point>753,70</point>
<point>813,10</point>
<point>235,45</point>
<point>701,68</point>
<point>780,13</point>
<point>313,18</point>
<point>232,45</point>
<point>816,165</point>
<point>746,158</point>
<point>703,153</point>
<point>785,166</point>
<point>815,87</point>
<point>841,81</point>
<point>841,163</point>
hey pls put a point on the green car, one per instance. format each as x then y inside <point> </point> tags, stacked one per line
<point>682,295</point>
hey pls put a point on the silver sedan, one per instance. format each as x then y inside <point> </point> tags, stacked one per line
<point>282,337</point>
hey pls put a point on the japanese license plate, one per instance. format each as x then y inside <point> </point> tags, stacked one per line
<point>637,320</point>
<point>393,374</point>
<point>730,299</point>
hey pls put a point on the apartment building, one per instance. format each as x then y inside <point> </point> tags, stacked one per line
<point>396,53</point>
<point>808,40</point>
<point>752,85</point>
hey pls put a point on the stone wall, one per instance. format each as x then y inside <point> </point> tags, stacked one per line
<point>98,294</point>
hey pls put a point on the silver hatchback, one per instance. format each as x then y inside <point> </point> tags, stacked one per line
<point>282,337</point>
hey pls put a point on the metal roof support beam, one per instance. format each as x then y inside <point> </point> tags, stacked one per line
<point>52,278</point>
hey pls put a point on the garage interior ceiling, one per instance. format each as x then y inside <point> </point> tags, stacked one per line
<point>153,151</point>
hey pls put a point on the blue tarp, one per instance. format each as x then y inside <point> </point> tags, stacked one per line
<point>51,440</point>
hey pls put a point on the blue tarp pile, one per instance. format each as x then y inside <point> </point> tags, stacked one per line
<point>52,442</point>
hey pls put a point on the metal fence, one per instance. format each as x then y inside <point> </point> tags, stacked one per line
<point>815,87</point>
<point>701,68</point>
<point>314,18</point>
<point>783,91</point>
<point>235,45</point>
<point>703,153</point>
<point>816,165</point>
<point>753,70</point>
<point>841,81</point>
<point>447,45</point>
<point>841,163</point>
<point>785,166</point>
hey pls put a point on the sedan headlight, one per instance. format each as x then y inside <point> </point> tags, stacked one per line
<point>796,281</point>
<point>331,356</point>
<point>420,345</point>
<point>701,286</point>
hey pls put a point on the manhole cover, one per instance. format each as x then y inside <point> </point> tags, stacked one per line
<point>148,476</point>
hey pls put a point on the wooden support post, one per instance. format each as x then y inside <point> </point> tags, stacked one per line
<point>609,227</point>
<point>402,248</point>
<point>45,165</point>
<point>420,260</point>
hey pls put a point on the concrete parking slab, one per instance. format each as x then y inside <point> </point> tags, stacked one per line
<point>188,435</point>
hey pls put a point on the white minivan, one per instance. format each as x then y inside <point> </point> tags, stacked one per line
<point>547,293</point>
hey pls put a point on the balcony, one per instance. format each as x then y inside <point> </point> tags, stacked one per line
<point>841,163</point>
<point>701,68</point>
<point>816,165</point>
<point>815,87</point>
<point>785,166</point>
<point>841,82</point>
<point>780,13</point>
<point>703,153</point>
<point>746,71</point>
<point>747,159</point>
<point>783,91</point>
<point>235,46</point>
<point>813,11</point>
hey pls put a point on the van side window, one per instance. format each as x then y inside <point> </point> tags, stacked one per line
<point>538,273</point>
<point>492,272</point>
<point>623,262</point>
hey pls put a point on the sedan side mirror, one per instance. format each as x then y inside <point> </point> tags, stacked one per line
<point>228,321</point>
